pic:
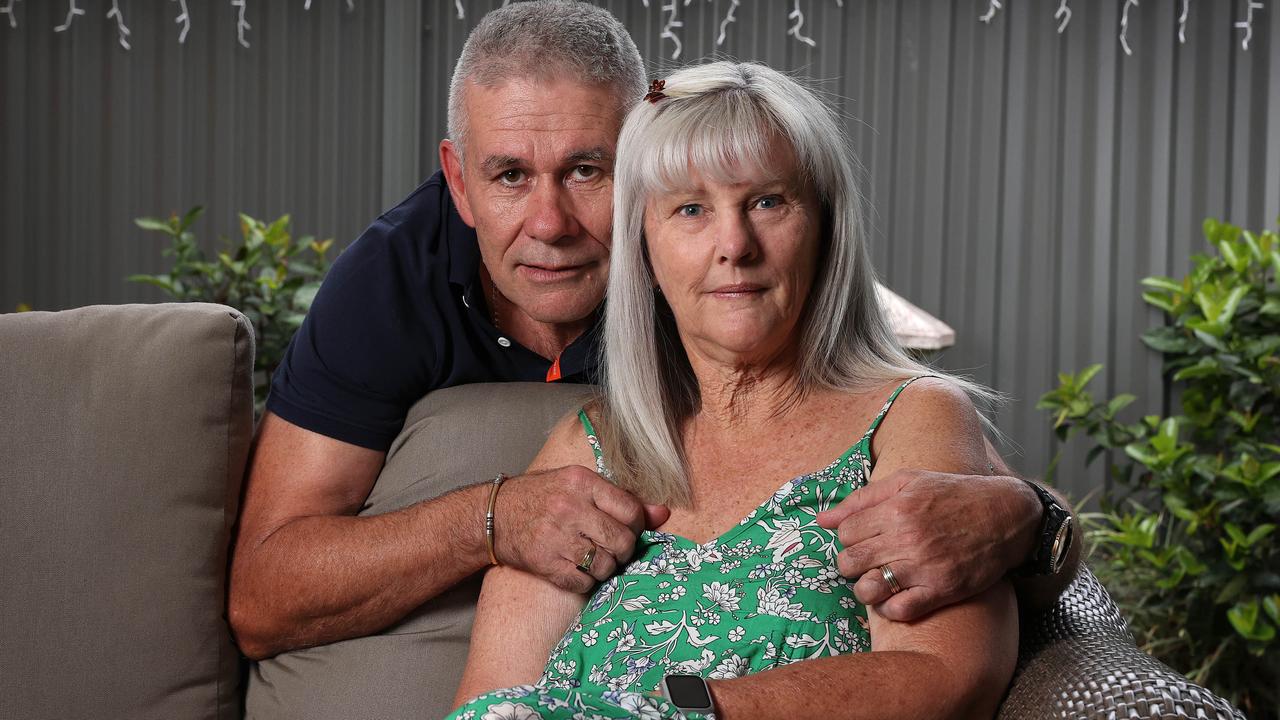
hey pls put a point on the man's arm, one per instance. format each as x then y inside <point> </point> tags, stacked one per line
<point>959,535</point>
<point>305,570</point>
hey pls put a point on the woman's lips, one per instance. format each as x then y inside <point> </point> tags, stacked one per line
<point>737,290</point>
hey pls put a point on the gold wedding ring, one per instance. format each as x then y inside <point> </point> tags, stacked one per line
<point>890,578</point>
<point>585,564</point>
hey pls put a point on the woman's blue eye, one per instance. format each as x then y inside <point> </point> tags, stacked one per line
<point>769,202</point>
<point>690,211</point>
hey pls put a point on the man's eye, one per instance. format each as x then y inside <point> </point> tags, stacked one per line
<point>586,172</point>
<point>511,177</point>
<point>689,211</point>
<point>768,202</point>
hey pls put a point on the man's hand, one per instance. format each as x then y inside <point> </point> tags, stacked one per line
<point>546,522</point>
<point>946,537</point>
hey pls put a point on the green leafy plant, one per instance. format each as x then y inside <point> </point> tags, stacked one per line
<point>1186,540</point>
<point>269,276</point>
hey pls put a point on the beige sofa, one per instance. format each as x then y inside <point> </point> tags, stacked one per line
<point>124,439</point>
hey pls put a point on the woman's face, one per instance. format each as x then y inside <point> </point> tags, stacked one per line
<point>736,261</point>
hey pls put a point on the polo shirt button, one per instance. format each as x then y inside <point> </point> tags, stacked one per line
<point>504,342</point>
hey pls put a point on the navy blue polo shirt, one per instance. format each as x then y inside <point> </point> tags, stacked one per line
<point>402,313</point>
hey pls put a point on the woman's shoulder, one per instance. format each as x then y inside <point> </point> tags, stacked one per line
<point>928,415</point>
<point>567,442</point>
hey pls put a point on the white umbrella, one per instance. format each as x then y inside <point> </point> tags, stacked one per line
<point>914,328</point>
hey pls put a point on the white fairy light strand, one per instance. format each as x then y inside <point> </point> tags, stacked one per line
<point>1247,23</point>
<point>183,19</point>
<point>728,18</point>
<point>121,29</point>
<point>1182,22</point>
<point>794,31</point>
<point>992,9</point>
<point>1124,26</point>
<point>241,23</point>
<point>1065,13</point>
<point>8,10</point>
<point>72,12</point>
<point>672,24</point>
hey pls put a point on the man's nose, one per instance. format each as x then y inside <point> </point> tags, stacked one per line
<point>549,215</point>
<point>735,239</point>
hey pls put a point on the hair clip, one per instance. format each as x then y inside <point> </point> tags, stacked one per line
<point>655,91</point>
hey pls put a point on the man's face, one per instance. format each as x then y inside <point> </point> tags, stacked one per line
<point>537,185</point>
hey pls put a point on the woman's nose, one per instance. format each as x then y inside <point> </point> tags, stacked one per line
<point>549,214</point>
<point>735,239</point>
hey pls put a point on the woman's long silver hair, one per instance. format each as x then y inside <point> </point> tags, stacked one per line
<point>718,118</point>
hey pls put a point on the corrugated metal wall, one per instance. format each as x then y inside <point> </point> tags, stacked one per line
<point>1022,180</point>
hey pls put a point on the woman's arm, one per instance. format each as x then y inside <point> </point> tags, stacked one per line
<point>520,617</point>
<point>955,662</point>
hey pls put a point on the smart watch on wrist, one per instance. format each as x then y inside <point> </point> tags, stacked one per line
<point>1057,531</point>
<point>688,693</point>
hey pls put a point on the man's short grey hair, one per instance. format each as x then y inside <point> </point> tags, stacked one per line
<point>547,40</point>
<point>720,119</point>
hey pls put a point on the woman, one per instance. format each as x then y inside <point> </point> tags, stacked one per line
<point>743,347</point>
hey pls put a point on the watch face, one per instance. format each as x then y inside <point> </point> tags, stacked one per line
<point>688,691</point>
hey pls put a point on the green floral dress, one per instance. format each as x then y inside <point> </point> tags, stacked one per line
<point>763,594</point>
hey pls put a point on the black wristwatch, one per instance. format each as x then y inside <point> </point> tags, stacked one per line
<point>688,692</point>
<point>1057,530</point>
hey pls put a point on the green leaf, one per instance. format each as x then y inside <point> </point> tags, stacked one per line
<point>147,223</point>
<point>1163,283</point>
<point>1119,403</point>
<point>1086,375</point>
<point>1258,534</point>
<point>1231,590</point>
<point>192,215</point>
<point>1271,604</point>
<point>161,281</point>
<point>1244,617</point>
<point>1232,304</point>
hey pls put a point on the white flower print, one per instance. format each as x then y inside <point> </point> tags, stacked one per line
<point>639,706</point>
<point>722,596</point>
<point>693,667</point>
<point>509,711</point>
<point>848,603</point>
<point>784,537</point>
<point>732,666</point>
<point>737,634</point>
<point>771,602</point>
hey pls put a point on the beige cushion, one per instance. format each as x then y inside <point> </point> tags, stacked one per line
<point>453,437</point>
<point>124,437</point>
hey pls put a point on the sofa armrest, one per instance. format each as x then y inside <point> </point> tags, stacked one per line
<point>1078,660</point>
<point>124,437</point>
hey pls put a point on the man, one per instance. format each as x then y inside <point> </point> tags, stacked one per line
<point>494,270</point>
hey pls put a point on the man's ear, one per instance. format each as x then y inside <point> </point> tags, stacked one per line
<point>451,163</point>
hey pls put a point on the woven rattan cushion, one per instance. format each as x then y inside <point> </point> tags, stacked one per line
<point>1078,660</point>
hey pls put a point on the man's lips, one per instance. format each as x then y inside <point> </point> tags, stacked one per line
<point>549,272</point>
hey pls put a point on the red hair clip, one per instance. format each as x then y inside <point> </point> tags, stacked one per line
<point>655,91</point>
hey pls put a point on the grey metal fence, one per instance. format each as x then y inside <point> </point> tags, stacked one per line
<point>1022,180</point>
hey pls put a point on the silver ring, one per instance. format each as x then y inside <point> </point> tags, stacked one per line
<point>585,564</point>
<point>890,578</point>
